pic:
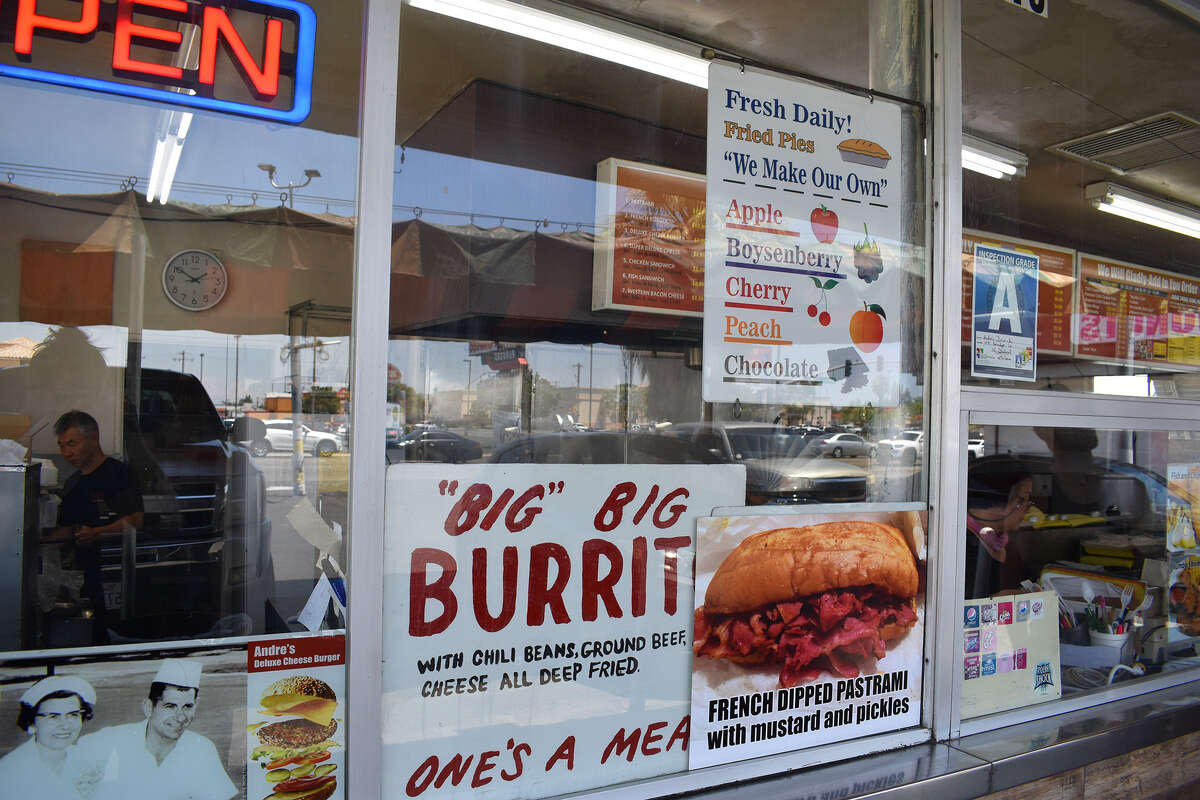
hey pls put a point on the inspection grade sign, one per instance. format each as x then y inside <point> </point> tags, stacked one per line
<point>803,246</point>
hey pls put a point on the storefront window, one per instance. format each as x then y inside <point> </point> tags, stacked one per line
<point>579,409</point>
<point>177,247</point>
<point>1103,521</point>
<point>1058,294</point>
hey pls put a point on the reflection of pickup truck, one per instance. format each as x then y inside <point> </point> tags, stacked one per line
<point>907,448</point>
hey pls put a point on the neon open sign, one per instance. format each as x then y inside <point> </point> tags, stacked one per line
<point>157,25</point>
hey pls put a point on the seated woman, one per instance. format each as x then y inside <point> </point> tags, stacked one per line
<point>998,495</point>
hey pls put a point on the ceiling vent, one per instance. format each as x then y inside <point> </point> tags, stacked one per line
<point>1138,145</point>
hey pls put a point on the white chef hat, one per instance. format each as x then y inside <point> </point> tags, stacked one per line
<point>179,672</point>
<point>58,683</point>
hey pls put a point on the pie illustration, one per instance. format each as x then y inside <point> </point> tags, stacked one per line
<point>864,151</point>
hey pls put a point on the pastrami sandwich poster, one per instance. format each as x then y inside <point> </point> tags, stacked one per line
<point>809,629</point>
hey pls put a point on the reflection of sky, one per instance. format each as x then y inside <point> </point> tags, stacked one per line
<point>120,135</point>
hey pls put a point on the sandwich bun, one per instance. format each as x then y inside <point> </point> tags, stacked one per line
<point>301,696</point>
<point>785,564</point>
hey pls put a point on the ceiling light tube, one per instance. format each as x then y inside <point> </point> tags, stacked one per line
<point>991,159</point>
<point>575,34</point>
<point>1144,208</point>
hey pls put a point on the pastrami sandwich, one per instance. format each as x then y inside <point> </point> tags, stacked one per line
<point>810,599</point>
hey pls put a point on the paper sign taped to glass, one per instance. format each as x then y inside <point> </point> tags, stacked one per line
<point>804,268</point>
<point>809,629</point>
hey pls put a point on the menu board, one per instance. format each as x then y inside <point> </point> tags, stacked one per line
<point>1131,313</point>
<point>649,253</point>
<point>1056,287</point>
<point>1010,652</point>
<point>537,634</point>
<point>804,258</point>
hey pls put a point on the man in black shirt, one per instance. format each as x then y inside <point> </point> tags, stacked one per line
<point>99,501</point>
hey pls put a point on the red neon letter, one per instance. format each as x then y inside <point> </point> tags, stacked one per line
<point>217,24</point>
<point>28,19</point>
<point>126,30</point>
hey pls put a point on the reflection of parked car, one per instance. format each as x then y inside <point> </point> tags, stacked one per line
<point>279,436</point>
<point>781,465</point>
<point>432,444</point>
<point>905,448</point>
<point>974,449</point>
<point>602,447</point>
<point>845,444</point>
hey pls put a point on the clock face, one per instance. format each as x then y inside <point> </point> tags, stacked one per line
<point>195,280</point>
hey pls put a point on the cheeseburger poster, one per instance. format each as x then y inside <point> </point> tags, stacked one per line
<point>295,690</point>
<point>804,243</point>
<point>537,633</point>
<point>809,629</point>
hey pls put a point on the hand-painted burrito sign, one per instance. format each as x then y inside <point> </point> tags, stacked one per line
<point>264,40</point>
<point>538,635</point>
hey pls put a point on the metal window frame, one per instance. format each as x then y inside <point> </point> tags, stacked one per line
<point>369,347</point>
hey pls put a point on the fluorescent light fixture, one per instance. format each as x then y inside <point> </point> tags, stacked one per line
<point>572,33</point>
<point>168,147</point>
<point>993,160</point>
<point>1114,199</point>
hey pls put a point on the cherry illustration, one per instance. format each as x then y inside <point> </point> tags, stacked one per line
<point>812,310</point>
<point>824,318</point>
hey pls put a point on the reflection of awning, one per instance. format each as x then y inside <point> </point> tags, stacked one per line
<point>276,257</point>
<point>504,284</point>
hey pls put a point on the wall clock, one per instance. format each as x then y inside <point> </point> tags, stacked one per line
<point>195,280</point>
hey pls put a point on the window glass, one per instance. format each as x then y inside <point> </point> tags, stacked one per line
<point>507,346</point>
<point>1113,300</point>
<point>1104,519</point>
<point>183,277</point>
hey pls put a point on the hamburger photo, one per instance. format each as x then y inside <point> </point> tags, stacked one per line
<point>295,751</point>
<point>828,597</point>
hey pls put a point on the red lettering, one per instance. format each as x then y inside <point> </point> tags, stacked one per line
<point>455,770</point>
<point>216,25</point>
<point>490,518</point>
<point>420,591</point>
<point>595,587</point>
<point>508,588</point>
<point>609,515</point>
<point>419,781</point>
<point>620,742</point>
<point>126,30</point>
<point>676,510</point>
<point>466,511</point>
<point>510,519</point>
<point>652,735</point>
<point>29,20</point>
<point>486,763</point>
<point>641,512</point>
<point>681,733</point>
<point>565,750</point>
<point>540,593</point>
<point>512,776</point>
<point>637,599</point>
<point>670,547</point>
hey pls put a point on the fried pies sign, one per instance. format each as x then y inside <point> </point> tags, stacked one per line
<point>253,58</point>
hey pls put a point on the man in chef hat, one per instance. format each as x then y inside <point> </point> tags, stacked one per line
<point>160,757</point>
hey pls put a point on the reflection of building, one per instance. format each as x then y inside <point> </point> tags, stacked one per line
<point>16,351</point>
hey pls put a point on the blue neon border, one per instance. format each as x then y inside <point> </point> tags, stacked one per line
<point>306,38</point>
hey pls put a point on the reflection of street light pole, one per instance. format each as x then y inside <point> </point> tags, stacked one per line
<point>468,392</point>
<point>237,359</point>
<point>309,174</point>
